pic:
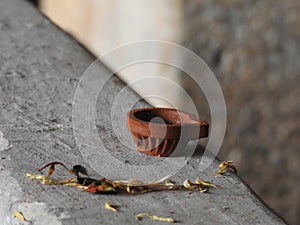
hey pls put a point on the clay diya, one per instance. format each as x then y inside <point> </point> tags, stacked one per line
<point>159,131</point>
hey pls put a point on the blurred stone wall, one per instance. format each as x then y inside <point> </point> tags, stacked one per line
<point>102,25</point>
<point>253,47</point>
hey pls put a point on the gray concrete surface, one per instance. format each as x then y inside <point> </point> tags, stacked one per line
<point>40,67</point>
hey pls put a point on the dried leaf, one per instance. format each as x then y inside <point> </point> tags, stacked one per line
<point>80,169</point>
<point>19,215</point>
<point>130,182</point>
<point>202,190</point>
<point>222,170</point>
<point>227,165</point>
<point>128,188</point>
<point>187,184</point>
<point>153,217</point>
<point>110,207</point>
<point>102,188</point>
<point>207,184</point>
<point>169,183</point>
<point>233,168</point>
<point>199,185</point>
<point>51,170</point>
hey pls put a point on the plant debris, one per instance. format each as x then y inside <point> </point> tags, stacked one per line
<point>227,165</point>
<point>103,185</point>
<point>199,185</point>
<point>19,215</point>
<point>153,217</point>
<point>110,207</point>
<point>169,183</point>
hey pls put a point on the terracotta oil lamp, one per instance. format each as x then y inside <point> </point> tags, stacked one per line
<point>158,131</point>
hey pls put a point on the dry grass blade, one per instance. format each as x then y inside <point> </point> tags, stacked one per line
<point>45,180</point>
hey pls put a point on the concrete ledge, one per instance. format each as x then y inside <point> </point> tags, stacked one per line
<point>40,67</point>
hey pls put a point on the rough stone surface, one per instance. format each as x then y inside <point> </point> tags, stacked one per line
<point>253,47</point>
<point>40,68</point>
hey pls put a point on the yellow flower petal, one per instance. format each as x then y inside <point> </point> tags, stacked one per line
<point>110,207</point>
<point>154,217</point>
<point>169,183</point>
<point>19,215</point>
<point>187,184</point>
<point>227,164</point>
